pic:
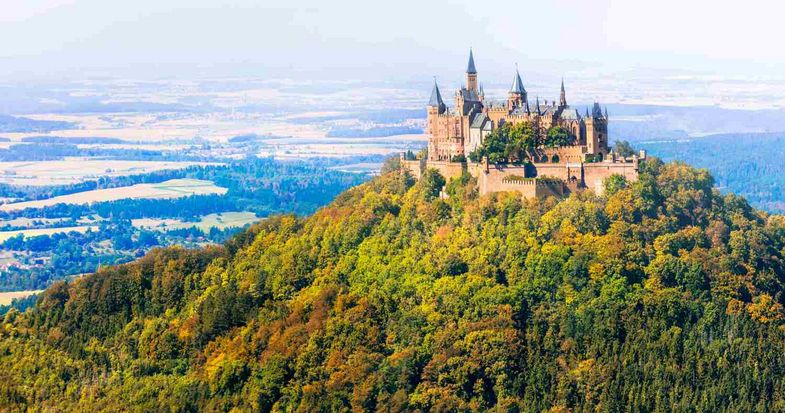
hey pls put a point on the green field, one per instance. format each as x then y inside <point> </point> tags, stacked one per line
<point>4,235</point>
<point>220,221</point>
<point>173,188</point>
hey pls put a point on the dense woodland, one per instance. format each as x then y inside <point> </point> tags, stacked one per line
<point>662,295</point>
<point>748,164</point>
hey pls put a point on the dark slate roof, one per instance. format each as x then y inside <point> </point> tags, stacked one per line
<point>470,68</point>
<point>596,112</point>
<point>517,84</point>
<point>570,114</point>
<point>436,96</point>
<point>470,95</point>
<point>479,121</point>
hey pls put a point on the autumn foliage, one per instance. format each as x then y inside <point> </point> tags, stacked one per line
<point>663,295</point>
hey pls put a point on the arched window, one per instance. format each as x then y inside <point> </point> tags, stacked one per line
<point>555,159</point>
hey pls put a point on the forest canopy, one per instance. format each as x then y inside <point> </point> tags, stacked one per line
<point>661,295</point>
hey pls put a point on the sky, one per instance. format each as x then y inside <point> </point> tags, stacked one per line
<point>397,40</point>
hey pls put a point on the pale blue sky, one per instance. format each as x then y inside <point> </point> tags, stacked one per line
<point>398,39</point>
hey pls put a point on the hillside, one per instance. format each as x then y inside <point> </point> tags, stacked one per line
<point>662,295</point>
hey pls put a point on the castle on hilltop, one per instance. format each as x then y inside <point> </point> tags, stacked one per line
<point>582,161</point>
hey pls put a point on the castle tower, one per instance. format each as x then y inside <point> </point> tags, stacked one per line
<point>562,96</point>
<point>471,73</point>
<point>596,131</point>
<point>436,104</point>
<point>517,96</point>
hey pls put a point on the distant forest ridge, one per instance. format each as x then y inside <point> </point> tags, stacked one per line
<point>13,124</point>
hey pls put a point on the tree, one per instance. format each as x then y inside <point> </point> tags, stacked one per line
<point>614,183</point>
<point>623,148</point>
<point>558,136</point>
<point>507,143</point>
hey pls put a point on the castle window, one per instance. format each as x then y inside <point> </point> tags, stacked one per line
<point>555,159</point>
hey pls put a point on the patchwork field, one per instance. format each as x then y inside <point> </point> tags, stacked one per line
<point>72,170</point>
<point>220,221</point>
<point>7,297</point>
<point>173,188</point>
<point>4,235</point>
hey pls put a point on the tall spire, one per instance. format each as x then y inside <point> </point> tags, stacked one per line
<point>517,83</point>
<point>436,98</point>
<point>470,68</point>
<point>606,112</point>
<point>538,106</point>
<point>563,95</point>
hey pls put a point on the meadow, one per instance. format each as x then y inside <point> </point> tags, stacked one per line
<point>173,188</point>
<point>205,223</point>
<point>34,232</point>
<point>68,171</point>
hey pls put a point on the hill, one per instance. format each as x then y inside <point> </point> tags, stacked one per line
<point>662,295</point>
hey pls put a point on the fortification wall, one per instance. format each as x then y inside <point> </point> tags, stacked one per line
<point>447,169</point>
<point>563,154</point>
<point>594,174</point>
<point>415,167</point>
<point>501,179</point>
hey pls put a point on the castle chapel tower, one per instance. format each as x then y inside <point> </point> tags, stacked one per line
<point>471,73</point>
<point>562,96</point>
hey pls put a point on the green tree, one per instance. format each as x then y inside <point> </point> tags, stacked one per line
<point>558,136</point>
<point>623,148</point>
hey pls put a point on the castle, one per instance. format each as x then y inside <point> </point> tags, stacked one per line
<point>456,133</point>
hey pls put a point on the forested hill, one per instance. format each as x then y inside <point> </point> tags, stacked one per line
<point>663,295</point>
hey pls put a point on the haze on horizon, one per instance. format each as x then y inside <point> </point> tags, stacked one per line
<point>305,39</point>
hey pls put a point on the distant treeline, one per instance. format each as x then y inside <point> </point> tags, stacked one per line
<point>74,140</point>
<point>38,151</point>
<point>12,124</point>
<point>377,131</point>
<point>745,164</point>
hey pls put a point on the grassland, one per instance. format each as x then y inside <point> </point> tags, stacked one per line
<point>220,221</point>
<point>69,171</point>
<point>173,188</point>
<point>4,235</point>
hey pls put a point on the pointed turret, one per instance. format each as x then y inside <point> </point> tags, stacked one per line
<point>470,67</point>
<point>436,99</point>
<point>587,112</point>
<point>538,106</point>
<point>517,96</point>
<point>563,95</point>
<point>517,83</point>
<point>606,112</point>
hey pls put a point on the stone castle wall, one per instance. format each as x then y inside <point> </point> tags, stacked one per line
<point>594,174</point>
<point>536,180</point>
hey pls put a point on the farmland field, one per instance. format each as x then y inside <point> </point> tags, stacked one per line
<point>220,221</point>
<point>173,188</point>
<point>69,171</point>
<point>4,235</point>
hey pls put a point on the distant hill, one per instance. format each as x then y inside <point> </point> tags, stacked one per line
<point>662,295</point>
<point>12,124</point>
